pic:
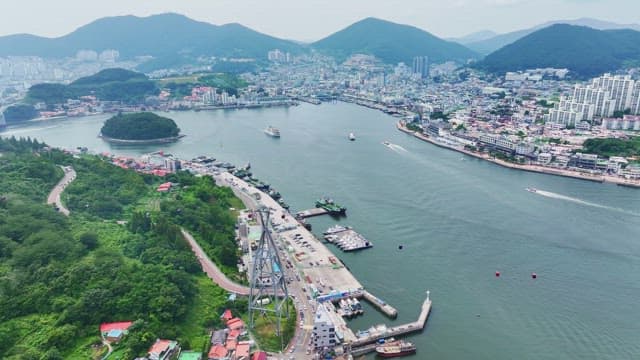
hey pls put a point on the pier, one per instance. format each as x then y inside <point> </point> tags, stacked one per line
<point>311,213</point>
<point>399,330</point>
<point>348,240</point>
<point>385,308</point>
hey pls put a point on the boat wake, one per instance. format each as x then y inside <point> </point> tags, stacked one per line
<point>553,195</point>
<point>27,130</point>
<point>394,147</point>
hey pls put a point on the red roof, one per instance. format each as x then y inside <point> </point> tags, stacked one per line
<point>242,350</point>
<point>106,327</point>
<point>226,315</point>
<point>235,323</point>
<point>231,344</point>
<point>159,346</point>
<point>233,334</point>
<point>217,352</point>
<point>260,355</point>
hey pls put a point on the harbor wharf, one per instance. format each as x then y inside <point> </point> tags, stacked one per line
<point>385,308</point>
<point>399,330</point>
<point>311,212</point>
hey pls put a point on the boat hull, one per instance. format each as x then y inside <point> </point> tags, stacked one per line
<point>396,354</point>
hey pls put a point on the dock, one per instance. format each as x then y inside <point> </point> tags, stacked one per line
<point>385,308</point>
<point>349,240</point>
<point>395,331</point>
<point>311,213</point>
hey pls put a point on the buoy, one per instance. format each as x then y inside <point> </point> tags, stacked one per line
<point>534,275</point>
<point>400,247</point>
<point>497,273</point>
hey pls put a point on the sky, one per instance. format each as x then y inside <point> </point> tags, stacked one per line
<point>308,20</point>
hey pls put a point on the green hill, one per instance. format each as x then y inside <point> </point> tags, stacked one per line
<point>391,42</point>
<point>169,38</point>
<point>110,85</point>
<point>585,51</point>
<point>139,126</point>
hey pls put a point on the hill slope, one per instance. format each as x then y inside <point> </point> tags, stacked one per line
<point>491,44</point>
<point>165,35</point>
<point>391,43</point>
<point>586,52</point>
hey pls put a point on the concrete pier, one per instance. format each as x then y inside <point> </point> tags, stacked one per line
<point>311,212</point>
<point>399,330</point>
<point>385,308</point>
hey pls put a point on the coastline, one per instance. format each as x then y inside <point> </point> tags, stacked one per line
<point>529,168</point>
<point>141,142</point>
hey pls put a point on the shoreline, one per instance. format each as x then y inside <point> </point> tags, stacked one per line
<point>528,168</point>
<point>141,142</point>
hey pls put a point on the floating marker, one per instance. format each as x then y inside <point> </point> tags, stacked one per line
<point>534,275</point>
<point>400,247</point>
<point>497,273</point>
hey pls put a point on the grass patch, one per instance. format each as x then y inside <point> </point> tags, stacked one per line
<point>265,329</point>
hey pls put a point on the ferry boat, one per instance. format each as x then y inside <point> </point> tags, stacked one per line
<point>352,137</point>
<point>531,189</point>
<point>273,132</point>
<point>395,349</point>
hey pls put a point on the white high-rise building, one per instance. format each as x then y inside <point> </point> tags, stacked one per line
<point>619,87</point>
<point>324,331</point>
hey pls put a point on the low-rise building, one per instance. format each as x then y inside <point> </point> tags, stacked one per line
<point>324,332</point>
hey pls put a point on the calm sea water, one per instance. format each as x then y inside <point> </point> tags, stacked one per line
<point>459,220</point>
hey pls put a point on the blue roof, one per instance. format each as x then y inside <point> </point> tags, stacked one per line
<point>114,333</point>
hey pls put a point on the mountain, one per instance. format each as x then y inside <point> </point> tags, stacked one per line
<point>161,36</point>
<point>390,42</point>
<point>109,84</point>
<point>585,51</point>
<point>487,46</point>
<point>474,37</point>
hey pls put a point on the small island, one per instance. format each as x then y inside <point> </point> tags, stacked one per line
<point>140,128</point>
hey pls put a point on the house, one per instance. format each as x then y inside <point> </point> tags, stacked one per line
<point>242,351</point>
<point>217,352</point>
<point>162,349</point>
<point>190,355</point>
<point>259,355</point>
<point>226,315</point>
<point>219,337</point>
<point>235,324</point>
<point>164,187</point>
<point>113,332</point>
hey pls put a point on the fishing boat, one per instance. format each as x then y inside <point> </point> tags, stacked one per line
<point>352,137</point>
<point>531,189</point>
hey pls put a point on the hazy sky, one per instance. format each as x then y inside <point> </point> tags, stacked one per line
<point>314,19</point>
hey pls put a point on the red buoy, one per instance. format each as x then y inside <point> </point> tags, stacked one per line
<point>497,273</point>
<point>534,275</point>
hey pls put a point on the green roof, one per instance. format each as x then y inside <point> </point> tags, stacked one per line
<point>190,355</point>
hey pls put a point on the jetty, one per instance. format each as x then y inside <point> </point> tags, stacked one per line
<point>359,346</point>
<point>311,213</point>
<point>385,308</point>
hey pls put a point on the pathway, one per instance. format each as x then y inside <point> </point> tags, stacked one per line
<point>54,196</point>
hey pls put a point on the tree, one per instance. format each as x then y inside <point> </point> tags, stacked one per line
<point>89,240</point>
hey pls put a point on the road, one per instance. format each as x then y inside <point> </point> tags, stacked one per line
<point>54,195</point>
<point>298,348</point>
<point>212,271</point>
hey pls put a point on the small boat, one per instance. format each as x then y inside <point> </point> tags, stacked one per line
<point>273,132</point>
<point>386,143</point>
<point>531,189</point>
<point>395,349</point>
<point>352,137</point>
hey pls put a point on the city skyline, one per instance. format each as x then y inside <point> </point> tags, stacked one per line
<point>316,19</point>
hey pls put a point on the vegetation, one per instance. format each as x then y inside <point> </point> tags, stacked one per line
<point>139,126</point>
<point>62,276</point>
<point>110,85</point>
<point>585,51</point>
<point>265,329</point>
<point>613,147</point>
<point>182,86</point>
<point>414,127</point>
<point>391,43</point>
<point>20,112</point>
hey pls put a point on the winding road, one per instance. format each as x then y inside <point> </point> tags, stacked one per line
<point>54,195</point>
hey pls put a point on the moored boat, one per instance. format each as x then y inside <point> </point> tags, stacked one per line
<point>273,132</point>
<point>395,349</point>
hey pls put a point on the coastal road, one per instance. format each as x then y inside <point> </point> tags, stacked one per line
<point>210,268</point>
<point>298,348</point>
<point>54,195</point>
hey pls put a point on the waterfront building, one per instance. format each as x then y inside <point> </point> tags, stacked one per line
<point>324,331</point>
<point>420,67</point>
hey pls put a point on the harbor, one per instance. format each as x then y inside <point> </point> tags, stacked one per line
<point>348,240</point>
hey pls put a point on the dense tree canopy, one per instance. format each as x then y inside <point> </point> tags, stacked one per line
<point>613,147</point>
<point>139,126</point>
<point>20,112</point>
